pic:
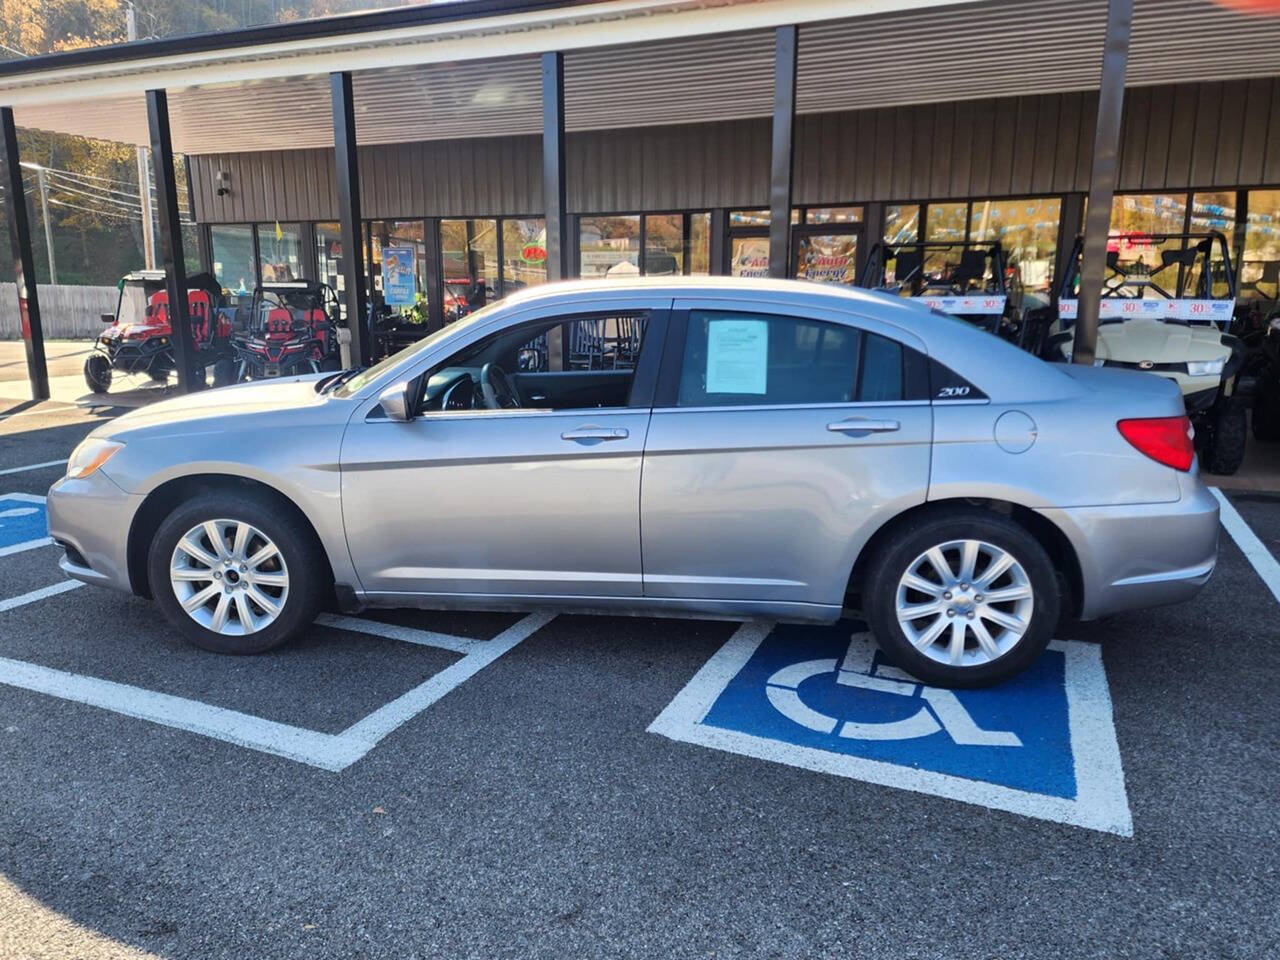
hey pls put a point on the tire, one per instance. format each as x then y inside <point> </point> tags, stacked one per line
<point>97,373</point>
<point>1008,654</point>
<point>299,560</point>
<point>1225,450</point>
<point>1266,417</point>
<point>224,372</point>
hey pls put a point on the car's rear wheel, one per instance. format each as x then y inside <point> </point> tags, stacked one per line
<point>964,598</point>
<point>235,573</point>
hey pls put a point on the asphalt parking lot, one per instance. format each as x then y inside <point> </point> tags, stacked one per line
<point>482,785</point>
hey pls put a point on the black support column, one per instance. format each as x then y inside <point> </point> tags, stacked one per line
<point>24,270</point>
<point>559,264</point>
<point>784,148</point>
<point>348,172</point>
<point>434,279</point>
<point>1102,179</point>
<point>175,265</point>
<point>718,255</point>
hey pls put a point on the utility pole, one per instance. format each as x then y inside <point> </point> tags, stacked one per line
<point>144,166</point>
<point>48,230</point>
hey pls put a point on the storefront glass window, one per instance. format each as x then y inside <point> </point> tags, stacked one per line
<point>1214,212</point>
<point>279,251</point>
<point>748,256</point>
<point>748,218</point>
<point>399,282</point>
<point>664,244</point>
<point>609,246</point>
<point>700,244</point>
<point>329,255</point>
<point>901,222</point>
<point>944,222</point>
<point>234,266</point>
<point>470,251</point>
<point>1138,216</point>
<point>1027,230</point>
<point>833,215</point>
<point>826,258</point>
<point>1260,265</point>
<point>757,218</point>
<point>524,254</point>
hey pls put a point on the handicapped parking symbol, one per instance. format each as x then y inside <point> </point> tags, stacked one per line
<point>822,698</point>
<point>23,525</point>
<point>939,709</point>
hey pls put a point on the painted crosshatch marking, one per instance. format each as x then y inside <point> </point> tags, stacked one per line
<point>1042,744</point>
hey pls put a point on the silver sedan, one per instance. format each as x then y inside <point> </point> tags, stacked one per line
<point>723,448</point>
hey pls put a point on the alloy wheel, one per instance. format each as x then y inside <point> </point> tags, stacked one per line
<point>229,577</point>
<point>964,603</point>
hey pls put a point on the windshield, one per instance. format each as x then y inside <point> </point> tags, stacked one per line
<point>133,303</point>
<point>366,377</point>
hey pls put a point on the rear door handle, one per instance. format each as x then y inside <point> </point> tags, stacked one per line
<point>596,433</point>
<point>863,425</point>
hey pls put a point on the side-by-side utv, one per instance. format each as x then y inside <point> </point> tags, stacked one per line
<point>967,279</point>
<point>292,329</point>
<point>1167,302</point>
<point>139,339</point>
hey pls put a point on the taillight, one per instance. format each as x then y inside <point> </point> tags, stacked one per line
<point>1165,440</point>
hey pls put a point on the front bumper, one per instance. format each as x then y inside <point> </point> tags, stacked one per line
<point>1143,555</point>
<point>92,516</point>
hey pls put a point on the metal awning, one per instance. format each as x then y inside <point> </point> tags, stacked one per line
<point>898,52</point>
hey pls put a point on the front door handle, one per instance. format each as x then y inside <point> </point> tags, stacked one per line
<point>596,433</point>
<point>863,425</point>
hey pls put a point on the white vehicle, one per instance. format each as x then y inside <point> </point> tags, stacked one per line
<point>1167,300</point>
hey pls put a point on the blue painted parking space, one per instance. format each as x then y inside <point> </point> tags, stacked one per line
<point>23,523</point>
<point>1042,745</point>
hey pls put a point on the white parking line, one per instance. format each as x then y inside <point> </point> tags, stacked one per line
<point>33,466</point>
<point>1255,550</point>
<point>328,751</point>
<point>50,591</point>
<point>27,544</point>
<point>391,631</point>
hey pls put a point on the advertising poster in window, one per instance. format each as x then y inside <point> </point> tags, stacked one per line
<point>399,283</point>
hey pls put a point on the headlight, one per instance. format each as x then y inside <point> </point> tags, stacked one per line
<point>1206,368</point>
<point>90,455</point>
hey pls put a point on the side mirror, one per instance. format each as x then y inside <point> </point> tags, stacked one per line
<point>107,317</point>
<point>395,402</point>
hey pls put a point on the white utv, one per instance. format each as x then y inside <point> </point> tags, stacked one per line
<point>1167,301</point>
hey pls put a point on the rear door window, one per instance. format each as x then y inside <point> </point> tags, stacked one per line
<point>734,358</point>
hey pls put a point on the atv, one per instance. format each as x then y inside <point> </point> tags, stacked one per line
<point>292,329</point>
<point>967,279</point>
<point>140,338</point>
<point>1167,300</point>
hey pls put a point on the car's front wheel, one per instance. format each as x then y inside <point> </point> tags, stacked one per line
<point>964,598</point>
<point>236,573</point>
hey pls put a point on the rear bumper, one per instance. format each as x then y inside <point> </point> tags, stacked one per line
<point>1143,555</point>
<point>93,516</point>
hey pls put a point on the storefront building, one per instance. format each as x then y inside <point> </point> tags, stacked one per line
<point>906,120</point>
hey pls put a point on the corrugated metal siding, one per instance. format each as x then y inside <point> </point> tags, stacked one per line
<point>1186,135</point>
<point>670,167</point>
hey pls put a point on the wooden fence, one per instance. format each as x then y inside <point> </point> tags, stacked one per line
<point>66,312</point>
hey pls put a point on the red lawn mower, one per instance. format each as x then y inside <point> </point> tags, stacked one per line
<point>292,330</point>
<point>140,338</point>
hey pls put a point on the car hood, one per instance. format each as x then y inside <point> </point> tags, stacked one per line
<point>1134,341</point>
<point>246,399</point>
